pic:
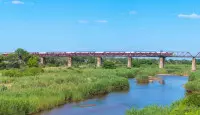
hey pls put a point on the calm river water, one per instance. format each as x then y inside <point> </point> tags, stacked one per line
<point>117,103</point>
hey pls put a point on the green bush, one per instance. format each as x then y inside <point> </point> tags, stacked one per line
<point>193,85</point>
<point>24,72</point>
<point>12,73</point>
<point>109,65</point>
<point>142,78</point>
<point>3,88</point>
<point>33,62</point>
<point>194,76</point>
<point>150,110</point>
<point>32,71</point>
<point>128,73</point>
<point>2,65</point>
<point>192,100</point>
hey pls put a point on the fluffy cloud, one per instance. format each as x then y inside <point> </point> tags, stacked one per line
<point>17,2</point>
<point>189,16</point>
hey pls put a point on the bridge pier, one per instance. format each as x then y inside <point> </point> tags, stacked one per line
<point>69,61</point>
<point>129,65</point>
<point>99,61</point>
<point>194,67</point>
<point>161,62</point>
<point>42,60</point>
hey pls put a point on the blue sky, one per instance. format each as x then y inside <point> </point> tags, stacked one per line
<point>100,25</point>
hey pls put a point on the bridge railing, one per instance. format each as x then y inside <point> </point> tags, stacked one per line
<point>116,53</point>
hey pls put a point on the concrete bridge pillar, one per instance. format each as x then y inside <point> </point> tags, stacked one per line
<point>99,61</point>
<point>42,60</point>
<point>161,62</point>
<point>129,65</point>
<point>69,61</point>
<point>194,67</point>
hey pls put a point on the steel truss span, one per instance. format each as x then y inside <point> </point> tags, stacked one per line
<point>117,54</point>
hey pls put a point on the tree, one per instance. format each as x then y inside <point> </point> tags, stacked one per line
<point>12,61</point>
<point>22,54</point>
<point>33,61</point>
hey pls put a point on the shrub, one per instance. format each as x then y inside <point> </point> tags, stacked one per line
<point>150,110</point>
<point>192,100</point>
<point>109,65</point>
<point>14,64</point>
<point>20,73</point>
<point>12,73</point>
<point>33,62</point>
<point>32,71</point>
<point>2,65</point>
<point>194,76</point>
<point>142,78</point>
<point>128,73</point>
<point>193,86</point>
<point>3,88</point>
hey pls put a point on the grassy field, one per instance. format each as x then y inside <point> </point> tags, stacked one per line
<point>56,86</point>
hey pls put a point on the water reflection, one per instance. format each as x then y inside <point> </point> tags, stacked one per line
<point>161,93</point>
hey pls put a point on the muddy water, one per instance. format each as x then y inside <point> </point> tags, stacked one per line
<point>117,103</point>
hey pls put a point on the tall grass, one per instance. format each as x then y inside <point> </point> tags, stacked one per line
<point>150,110</point>
<point>54,87</point>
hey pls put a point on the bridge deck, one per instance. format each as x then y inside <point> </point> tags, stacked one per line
<point>117,54</point>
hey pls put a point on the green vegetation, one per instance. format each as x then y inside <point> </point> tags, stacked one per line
<point>26,87</point>
<point>22,72</point>
<point>54,87</point>
<point>19,59</point>
<point>151,110</point>
<point>59,85</point>
<point>109,65</point>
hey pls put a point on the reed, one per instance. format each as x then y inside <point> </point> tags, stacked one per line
<point>32,94</point>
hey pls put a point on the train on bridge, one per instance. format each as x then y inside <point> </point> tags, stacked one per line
<point>106,54</point>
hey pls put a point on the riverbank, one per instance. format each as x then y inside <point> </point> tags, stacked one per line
<point>57,86</point>
<point>116,103</point>
<point>186,106</point>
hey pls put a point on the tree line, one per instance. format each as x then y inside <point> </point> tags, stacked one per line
<point>22,58</point>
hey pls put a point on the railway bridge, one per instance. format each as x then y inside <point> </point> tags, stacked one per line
<point>161,55</point>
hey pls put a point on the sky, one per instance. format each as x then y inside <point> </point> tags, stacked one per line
<point>100,25</point>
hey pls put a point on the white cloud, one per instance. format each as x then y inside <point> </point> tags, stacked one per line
<point>83,21</point>
<point>133,12</point>
<point>190,16</point>
<point>101,21</point>
<point>17,2</point>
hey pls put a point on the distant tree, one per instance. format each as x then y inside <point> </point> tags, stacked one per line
<point>55,61</point>
<point>12,61</point>
<point>2,64</point>
<point>136,63</point>
<point>109,65</point>
<point>17,59</point>
<point>22,54</point>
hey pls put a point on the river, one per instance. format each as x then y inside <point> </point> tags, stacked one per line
<point>117,103</point>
